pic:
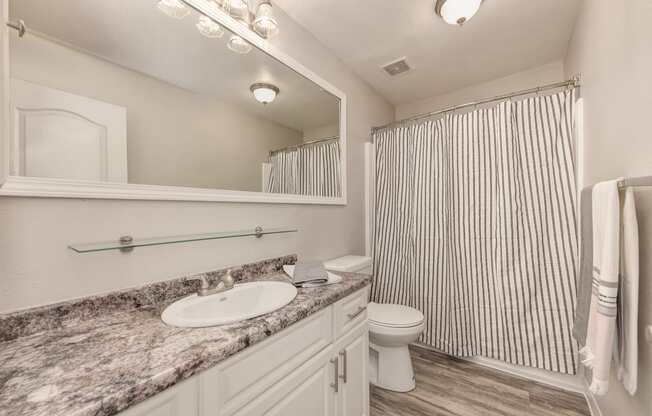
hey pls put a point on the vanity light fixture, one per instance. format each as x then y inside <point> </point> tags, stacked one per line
<point>264,93</point>
<point>173,8</point>
<point>238,45</point>
<point>457,12</point>
<point>209,28</point>
<point>264,23</point>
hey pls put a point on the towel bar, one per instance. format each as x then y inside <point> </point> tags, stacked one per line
<point>640,181</point>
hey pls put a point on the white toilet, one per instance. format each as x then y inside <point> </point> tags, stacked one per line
<point>391,329</point>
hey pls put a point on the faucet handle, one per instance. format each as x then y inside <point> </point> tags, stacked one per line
<point>228,279</point>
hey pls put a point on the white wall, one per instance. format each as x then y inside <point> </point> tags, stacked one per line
<point>546,74</point>
<point>37,268</point>
<point>611,48</point>
<point>174,137</point>
<point>321,132</point>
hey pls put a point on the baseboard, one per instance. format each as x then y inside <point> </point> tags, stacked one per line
<point>561,381</point>
<point>592,402</point>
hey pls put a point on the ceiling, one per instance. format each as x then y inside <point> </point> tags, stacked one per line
<point>134,34</point>
<point>504,37</point>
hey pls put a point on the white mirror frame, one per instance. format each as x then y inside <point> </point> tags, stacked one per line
<point>63,188</point>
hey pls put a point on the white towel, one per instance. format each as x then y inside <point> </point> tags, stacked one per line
<point>627,323</point>
<point>596,354</point>
<point>615,250</point>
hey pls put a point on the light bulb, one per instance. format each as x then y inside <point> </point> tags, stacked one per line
<point>265,24</point>
<point>457,12</point>
<point>236,7</point>
<point>238,45</point>
<point>209,28</point>
<point>173,8</point>
<point>264,93</point>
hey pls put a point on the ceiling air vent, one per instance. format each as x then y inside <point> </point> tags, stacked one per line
<point>397,67</point>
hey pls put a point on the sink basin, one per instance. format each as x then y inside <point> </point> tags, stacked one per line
<point>244,301</point>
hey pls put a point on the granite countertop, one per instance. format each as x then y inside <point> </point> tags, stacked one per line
<point>105,361</point>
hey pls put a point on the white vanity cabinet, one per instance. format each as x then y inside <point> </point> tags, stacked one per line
<point>179,400</point>
<point>316,367</point>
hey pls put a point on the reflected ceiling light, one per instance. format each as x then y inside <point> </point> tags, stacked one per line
<point>173,8</point>
<point>209,28</point>
<point>236,7</point>
<point>264,93</point>
<point>457,12</point>
<point>238,45</point>
<point>265,24</point>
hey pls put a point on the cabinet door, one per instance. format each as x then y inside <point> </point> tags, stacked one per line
<point>308,391</point>
<point>353,395</point>
<point>179,400</point>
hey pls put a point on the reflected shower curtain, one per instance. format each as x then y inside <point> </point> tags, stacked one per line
<point>475,226</point>
<point>283,175</point>
<point>308,170</point>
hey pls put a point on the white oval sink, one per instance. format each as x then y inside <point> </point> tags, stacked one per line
<point>244,301</point>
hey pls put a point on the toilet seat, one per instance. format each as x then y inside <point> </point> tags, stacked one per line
<point>389,315</point>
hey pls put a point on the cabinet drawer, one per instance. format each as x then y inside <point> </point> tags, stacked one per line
<point>350,311</point>
<point>241,378</point>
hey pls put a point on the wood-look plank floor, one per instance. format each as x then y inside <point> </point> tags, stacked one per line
<point>448,386</point>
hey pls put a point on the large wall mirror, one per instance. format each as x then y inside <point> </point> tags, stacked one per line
<point>120,98</point>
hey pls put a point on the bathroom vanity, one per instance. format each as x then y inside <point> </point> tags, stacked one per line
<point>317,366</point>
<point>112,354</point>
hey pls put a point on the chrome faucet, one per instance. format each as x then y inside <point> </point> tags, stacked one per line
<point>226,283</point>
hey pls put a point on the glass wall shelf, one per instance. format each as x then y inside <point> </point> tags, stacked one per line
<point>127,243</point>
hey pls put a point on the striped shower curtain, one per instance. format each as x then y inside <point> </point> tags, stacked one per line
<point>307,170</point>
<point>283,175</point>
<point>475,226</point>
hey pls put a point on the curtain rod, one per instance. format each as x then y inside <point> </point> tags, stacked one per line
<point>635,182</point>
<point>571,83</point>
<point>296,146</point>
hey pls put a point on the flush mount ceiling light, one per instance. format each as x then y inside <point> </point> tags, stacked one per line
<point>265,23</point>
<point>264,93</point>
<point>207,27</point>
<point>457,12</point>
<point>173,8</point>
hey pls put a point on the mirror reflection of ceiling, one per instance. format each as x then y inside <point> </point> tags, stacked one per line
<point>136,35</point>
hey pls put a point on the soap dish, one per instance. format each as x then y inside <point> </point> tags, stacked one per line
<point>332,278</point>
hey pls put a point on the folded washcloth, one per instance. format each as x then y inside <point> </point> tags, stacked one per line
<point>309,271</point>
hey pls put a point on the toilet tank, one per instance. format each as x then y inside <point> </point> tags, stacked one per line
<point>350,263</point>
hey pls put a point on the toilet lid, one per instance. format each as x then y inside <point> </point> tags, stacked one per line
<point>394,316</point>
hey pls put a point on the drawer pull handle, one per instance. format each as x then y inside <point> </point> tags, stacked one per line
<point>336,371</point>
<point>357,313</point>
<point>343,355</point>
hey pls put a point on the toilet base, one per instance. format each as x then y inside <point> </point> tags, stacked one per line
<point>391,368</point>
